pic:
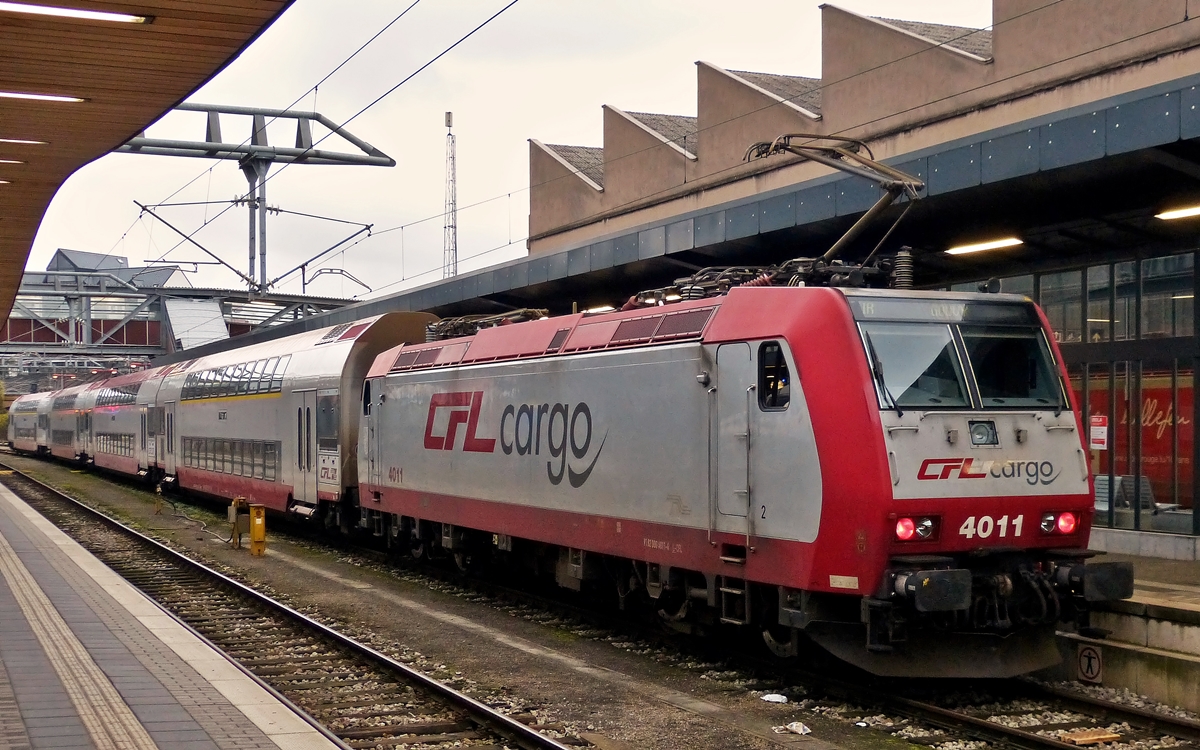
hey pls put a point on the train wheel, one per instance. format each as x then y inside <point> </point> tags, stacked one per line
<point>783,642</point>
<point>463,562</point>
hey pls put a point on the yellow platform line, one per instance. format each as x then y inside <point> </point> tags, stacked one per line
<point>108,719</point>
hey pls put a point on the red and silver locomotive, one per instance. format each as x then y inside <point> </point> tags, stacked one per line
<point>897,475</point>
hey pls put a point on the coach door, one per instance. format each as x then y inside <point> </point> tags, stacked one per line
<point>734,397</point>
<point>169,438</point>
<point>305,487</point>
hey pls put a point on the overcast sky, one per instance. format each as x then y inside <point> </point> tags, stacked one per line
<point>541,70</point>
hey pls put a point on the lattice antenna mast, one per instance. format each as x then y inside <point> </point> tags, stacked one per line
<point>450,258</point>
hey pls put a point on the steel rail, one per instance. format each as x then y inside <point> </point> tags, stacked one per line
<point>502,724</point>
<point>1135,716</point>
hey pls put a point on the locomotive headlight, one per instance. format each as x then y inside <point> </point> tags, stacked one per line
<point>983,433</point>
<point>1048,521</point>
<point>925,528</point>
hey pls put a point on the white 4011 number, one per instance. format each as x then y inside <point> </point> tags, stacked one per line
<point>986,526</point>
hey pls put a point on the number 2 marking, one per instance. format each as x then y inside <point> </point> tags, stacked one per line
<point>764,511</point>
<point>986,526</point>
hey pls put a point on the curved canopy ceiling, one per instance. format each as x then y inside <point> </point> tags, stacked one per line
<point>74,88</point>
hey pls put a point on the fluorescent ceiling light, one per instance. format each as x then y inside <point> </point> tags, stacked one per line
<point>1183,296</point>
<point>1179,213</point>
<point>5,182</point>
<point>38,97</point>
<point>11,161</point>
<point>600,309</point>
<point>22,142</point>
<point>981,246</point>
<point>86,15</point>
<point>1099,320</point>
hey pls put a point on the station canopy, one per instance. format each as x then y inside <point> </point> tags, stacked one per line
<point>80,77</point>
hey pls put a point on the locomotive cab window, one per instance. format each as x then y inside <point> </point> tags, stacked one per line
<point>941,354</point>
<point>1012,366</point>
<point>774,380</point>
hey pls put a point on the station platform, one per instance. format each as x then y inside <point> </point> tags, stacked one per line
<point>1152,646</point>
<point>87,661</point>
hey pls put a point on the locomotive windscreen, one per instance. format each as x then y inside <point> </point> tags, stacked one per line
<point>930,353</point>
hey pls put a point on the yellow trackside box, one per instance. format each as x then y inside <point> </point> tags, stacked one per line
<point>258,530</point>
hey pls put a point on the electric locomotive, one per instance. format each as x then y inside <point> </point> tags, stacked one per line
<point>897,475</point>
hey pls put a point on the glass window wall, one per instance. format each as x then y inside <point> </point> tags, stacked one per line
<point>1136,392</point>
<point>1061,297</point>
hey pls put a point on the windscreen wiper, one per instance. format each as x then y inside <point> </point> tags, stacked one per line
<point>877,371</point>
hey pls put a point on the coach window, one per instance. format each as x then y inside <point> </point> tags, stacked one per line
<point>367,399</point>
<point>774,381</point>
<point>255,385</point>
<point>277,380</point>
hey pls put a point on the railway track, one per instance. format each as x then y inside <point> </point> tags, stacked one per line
<point>360,696</point>
<point>1015,713</point>
<point>1003,713</point>
<point>1023,714</point>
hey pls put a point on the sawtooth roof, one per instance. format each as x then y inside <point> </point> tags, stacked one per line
<point>976,42</point>
<point>803,92</point>
<point>589,160</point>
<point>679,129</point>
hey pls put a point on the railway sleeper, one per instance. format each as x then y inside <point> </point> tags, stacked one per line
<point>414,729</point>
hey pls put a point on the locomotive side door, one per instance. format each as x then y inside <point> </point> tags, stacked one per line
<point>734,397</point>
<point>305,486</point>
<point>371,417</point>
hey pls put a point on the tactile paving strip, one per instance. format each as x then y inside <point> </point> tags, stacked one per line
<point>109,721</point>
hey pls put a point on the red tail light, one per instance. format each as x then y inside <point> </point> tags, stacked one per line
<point>906,529</point>
<point>1066,523</point>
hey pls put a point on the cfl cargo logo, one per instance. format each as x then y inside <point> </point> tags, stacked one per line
<point>1033,472</point>
<point>525,430</point>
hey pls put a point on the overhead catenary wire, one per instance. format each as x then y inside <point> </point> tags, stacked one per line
<point>311,90</point>
<point>378,99</point>
<point>937,45</point>
<point>824,85</point>
<point>847,129</point>
<point>441,215</point>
